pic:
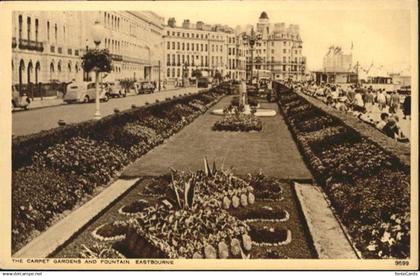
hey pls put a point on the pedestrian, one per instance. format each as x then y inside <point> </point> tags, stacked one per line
<point>407,107</point>
<point>359,105</point>
<point>394,102</point>
<point>369,101</point>
<point>381,100</point>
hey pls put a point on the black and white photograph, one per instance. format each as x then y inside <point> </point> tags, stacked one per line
<point>142,135</point>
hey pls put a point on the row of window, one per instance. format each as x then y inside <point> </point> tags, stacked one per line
<point>194,35</point>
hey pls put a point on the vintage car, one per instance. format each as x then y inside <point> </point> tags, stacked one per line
<point>115,89</point>
<point>145,87</point>
<point>19,101</point>
<point>84,93</point>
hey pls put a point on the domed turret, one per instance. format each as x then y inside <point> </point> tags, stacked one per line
<point>263,15</point>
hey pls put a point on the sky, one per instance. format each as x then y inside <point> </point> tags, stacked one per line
<point>379,30</point>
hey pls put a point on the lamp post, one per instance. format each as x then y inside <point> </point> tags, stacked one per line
<point>251,40</point>
<point>97,35</point>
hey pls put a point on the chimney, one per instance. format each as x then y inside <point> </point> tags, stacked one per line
<point>172,22</point>
<point>186,24</point>
<point>200,25</point>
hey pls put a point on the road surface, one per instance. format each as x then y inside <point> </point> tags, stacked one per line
<point>33,121</point>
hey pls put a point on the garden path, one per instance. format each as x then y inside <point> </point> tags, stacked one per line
<point>272,150</point>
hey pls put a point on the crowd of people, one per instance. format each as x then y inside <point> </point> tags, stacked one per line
<point>362,102</point>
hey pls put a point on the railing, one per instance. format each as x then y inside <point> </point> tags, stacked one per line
<point>31,45</point>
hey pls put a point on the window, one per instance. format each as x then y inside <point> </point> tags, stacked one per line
<point>284,51</point>
<point>29,28</point>
<point>168,59</point>
<point>173,45</point>
<point>188,46</point>
<point>48,30</point>
<point>192,46</point>
<point>173,72</point>
<point>55,33</point>
<point>36,29</point>
<point>178,72</point>
<point>183,45</point>
<point>201,47</point>
<point>177,45</point>
<point>183,59</point>
<point>168,73</point>
<point>169,45</point>
<point>284,59</point>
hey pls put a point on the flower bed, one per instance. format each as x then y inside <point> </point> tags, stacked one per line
<point>56,169</point>
<point>266,189</point>
<point>268,234</point>
<point>116,230</point>
<point>368,187</point>
<point>264,212</point>
<point>134,207</point>
<point>238,122</point>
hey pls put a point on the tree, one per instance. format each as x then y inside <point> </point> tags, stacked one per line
<point>196,73</point>
<point>218,76</point>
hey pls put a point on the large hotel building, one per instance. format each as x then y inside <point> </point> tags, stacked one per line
<point>47,47</point>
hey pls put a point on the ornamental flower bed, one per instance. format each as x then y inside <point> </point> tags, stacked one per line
<point>266,189</point>
<point>87,159</point>
<point>368,187</point>
<point>111,231</point>
<point>238,122</point>
<point>55,170</point>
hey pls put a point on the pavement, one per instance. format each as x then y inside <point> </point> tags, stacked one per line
<point>38,119</point>
<point>329,238</point>
<point>55,236</point>
<point>272,150</point>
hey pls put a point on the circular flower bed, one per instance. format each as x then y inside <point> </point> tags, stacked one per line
<point>134,207</point>
<point>266,189</point>
<point>268,234</point>
<point>110,231</point>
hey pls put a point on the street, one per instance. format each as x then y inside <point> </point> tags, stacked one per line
<point>36,120</point>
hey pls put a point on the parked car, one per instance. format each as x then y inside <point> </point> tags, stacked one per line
<point>203,82</point>
<point>145,87</point>
<point>115,89</point>
<point>84,93</point>
<point>19,101</point>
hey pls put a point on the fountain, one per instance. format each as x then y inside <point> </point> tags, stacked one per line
<point>243,99</point>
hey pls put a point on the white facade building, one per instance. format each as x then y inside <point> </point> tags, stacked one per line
<point>47,46</point>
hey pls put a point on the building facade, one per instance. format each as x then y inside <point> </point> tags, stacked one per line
<point>47,46</point>
<point>200,46</point>
<point>337,68</point>
<point>278,50</point>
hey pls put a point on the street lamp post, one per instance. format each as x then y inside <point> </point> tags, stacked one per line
<point>251,40</point>
<point>97,35</point>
